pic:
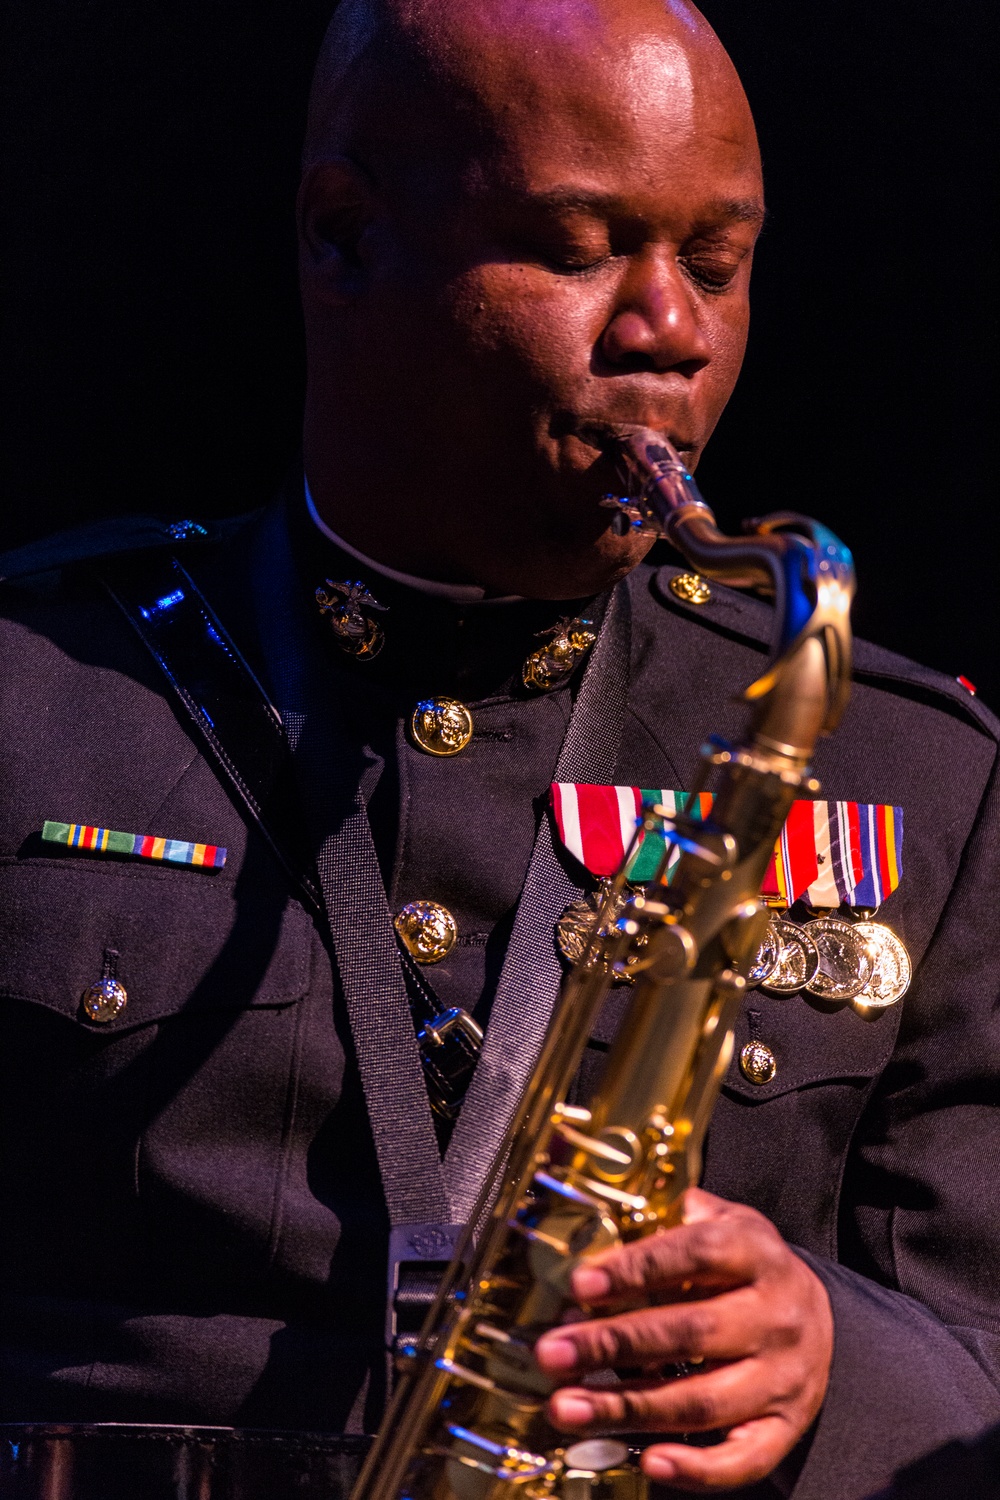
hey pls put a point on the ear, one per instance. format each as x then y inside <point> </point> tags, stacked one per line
<point>335,206</point>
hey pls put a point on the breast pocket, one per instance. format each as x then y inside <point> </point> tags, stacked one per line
<point>796,1087</point>
<point>782,1127</point>
<point>144,1142</point>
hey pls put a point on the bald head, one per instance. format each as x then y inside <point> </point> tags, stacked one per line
<point>520,219</point>
<point>472,59</point>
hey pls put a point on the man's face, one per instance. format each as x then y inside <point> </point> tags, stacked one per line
<point>585,265</point>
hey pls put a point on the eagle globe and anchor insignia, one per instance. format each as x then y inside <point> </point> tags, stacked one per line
<point>428,931</point>
<point>348,608</point>
<point>565,644</point>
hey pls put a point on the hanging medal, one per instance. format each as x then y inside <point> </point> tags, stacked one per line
<point>798,961</point>
<point>891,968</point>
<point>840,859</point>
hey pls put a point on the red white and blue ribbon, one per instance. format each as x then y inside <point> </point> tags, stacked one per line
<point>829,853</point>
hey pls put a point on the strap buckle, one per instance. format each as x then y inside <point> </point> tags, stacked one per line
<point>450,1044</point>
<point>419,1255</point>
<point>449,1040</point>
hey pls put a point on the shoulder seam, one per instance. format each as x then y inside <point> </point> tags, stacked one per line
<point>109,538</point>
<point>936,685</point>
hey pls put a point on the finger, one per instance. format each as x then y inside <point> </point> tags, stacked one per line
<point>718,1251</point>
<point>747,1454</point>
<point>721,1398</point>
<point>699,1205</point>
<point>729,1326</point>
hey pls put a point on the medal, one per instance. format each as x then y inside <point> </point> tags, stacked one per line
<point>891,968</point>
<point>799,962</point>
<point>830,855</point>
<point>576,926</point>
<point>845,964</point>
<point>768,956</point>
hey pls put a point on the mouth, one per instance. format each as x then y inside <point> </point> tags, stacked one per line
<point>605,437</point>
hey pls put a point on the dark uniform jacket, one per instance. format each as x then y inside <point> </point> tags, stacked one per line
<point>193,1226</point>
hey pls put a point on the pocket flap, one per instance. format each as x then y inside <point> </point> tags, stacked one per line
<point>811,1042</point>
<point>184,941</point>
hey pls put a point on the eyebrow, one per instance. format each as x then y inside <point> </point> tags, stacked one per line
<point>731,210</point>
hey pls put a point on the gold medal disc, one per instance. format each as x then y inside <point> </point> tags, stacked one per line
<point>799,961</point>
<point>845,964</point>
<point>891,968</point>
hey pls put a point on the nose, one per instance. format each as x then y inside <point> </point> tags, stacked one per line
<point>654,324</point>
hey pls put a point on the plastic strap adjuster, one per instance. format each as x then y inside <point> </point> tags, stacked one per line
<point>419,1255</point>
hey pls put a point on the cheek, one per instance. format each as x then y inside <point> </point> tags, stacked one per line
<point>727,328</point>
<point>521,322</point>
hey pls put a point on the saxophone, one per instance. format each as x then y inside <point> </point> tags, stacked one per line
<point>467,1419</point>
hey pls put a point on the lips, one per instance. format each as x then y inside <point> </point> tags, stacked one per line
<point>604,435</point>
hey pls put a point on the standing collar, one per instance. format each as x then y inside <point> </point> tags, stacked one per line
<point>454,593</point>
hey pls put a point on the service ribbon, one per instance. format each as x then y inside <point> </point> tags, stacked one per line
<point>828,853</point>
<point>140,845</point>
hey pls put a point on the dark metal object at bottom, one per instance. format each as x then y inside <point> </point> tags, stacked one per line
<point>117,1461</point>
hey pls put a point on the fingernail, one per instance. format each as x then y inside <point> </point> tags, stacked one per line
<point>590,1282</point>
<point>658,1468</point>
<point>556,1353</point>
<point>575,1411</point>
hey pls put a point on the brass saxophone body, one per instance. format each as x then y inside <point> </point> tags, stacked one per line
<point>467,1420</point>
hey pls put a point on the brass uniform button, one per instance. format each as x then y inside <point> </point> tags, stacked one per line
<point>691,587</point>
<point>104,1000</point>
<point>428,931</point>
<point>757,1063</point>
<point>441,726</point>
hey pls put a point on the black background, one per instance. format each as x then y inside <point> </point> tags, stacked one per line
<point>151,353</point>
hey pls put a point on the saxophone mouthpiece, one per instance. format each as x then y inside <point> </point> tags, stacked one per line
<point>661,488</point>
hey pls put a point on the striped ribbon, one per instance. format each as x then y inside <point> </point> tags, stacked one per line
<point>828,853</point>
<point>142,845</point>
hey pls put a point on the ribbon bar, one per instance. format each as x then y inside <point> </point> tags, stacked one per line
<point>829,853</point>
<point>141,845</point>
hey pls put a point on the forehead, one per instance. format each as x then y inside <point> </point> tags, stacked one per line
<point>647,108</point>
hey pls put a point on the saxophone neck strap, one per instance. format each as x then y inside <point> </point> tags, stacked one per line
<point>220,696</point>
<point>290,768</point>
<point>314,820</point>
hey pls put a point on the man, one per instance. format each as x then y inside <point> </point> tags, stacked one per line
<point>521,224</point>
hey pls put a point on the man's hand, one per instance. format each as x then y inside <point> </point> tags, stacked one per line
<point>724,1290</point>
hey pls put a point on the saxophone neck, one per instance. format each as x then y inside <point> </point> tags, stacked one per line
<point>808,571</point>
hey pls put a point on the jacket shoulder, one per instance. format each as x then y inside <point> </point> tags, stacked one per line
<point>744,617</point>
<point>44,560</point>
